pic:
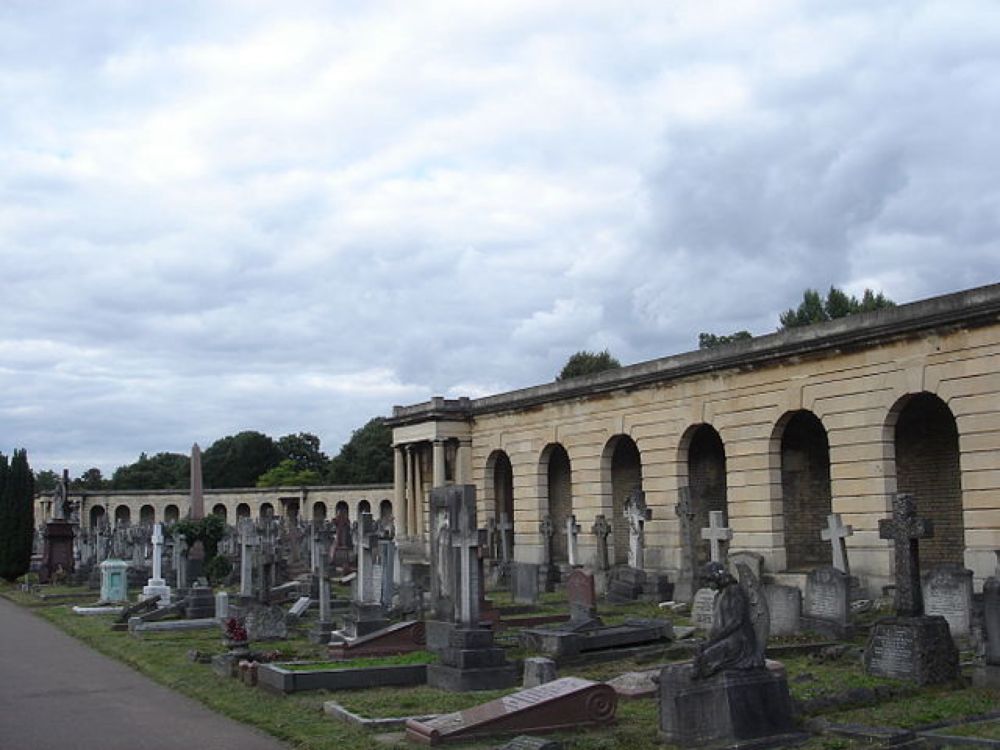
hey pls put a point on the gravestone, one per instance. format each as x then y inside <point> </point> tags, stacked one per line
<point>991,620</point>
<point>323,628</point>
<point>366,614</point>
<point>689,534</point>
<point>827,606</point>
<point>947,591</point>
<point>785,606</point>
<point>57,547</point>
<point>157,586</point>
<point>567,703</point>
<point>836,534</point>
<point>264,622</point>
<point>718,535</point>
<point>387,554</point>
<point>538,670</point>
<point>753,560</point>
<point>249,540</point>
<point>222,606</point>
<point>702,608</point>
<point>297,610</point>
<point>911,645</point>
<point>114,584</point>
<point>582,597</point>
<point>572,532</point>
<point>636,515</point>
<point>524,583</point>
<point>601,530</point>
<point>548,573</point>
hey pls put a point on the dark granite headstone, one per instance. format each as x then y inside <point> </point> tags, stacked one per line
<point>567,703</point>
<point>826,608</point>
<point>947,592</point>
<point>991,620</point>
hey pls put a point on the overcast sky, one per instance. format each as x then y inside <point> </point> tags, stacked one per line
<point>218,216</point>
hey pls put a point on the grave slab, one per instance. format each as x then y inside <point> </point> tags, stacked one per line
<point>566,703</point>
<point>399,638</point>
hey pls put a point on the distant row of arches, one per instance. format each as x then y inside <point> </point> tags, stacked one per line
<point>171,512</point>
<point>921,442</point>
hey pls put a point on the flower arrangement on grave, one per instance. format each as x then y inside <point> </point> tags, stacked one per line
<point>236,632</point>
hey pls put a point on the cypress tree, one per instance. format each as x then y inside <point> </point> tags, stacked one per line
<point>17,516</point>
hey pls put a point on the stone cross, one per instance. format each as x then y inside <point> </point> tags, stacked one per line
<point>636,515</point>
<point>157,551</point>
<point>601,529</point>
<point>466,540</point>
<point>180,561</point>
<point>716,533</point>
<point>905,529</point>
<point>572,531</point>
<point>836,533</point>
<point>688,532</point>
<point>248,539</point>
<point>505,527</point>
<point>491,537</point>
<point>546,529</point>
<point>320,541</point>
<point>366,531</point>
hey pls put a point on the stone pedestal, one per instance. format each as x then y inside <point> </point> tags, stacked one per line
<point>114,584</point>
<point>157,587</point>
<point>58,550</point>
<point>919,649</point>
<point>729,708</point>
<point>471,662</point>
<point>365,618</point>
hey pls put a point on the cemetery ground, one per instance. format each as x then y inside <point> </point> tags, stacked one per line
<point>830,685</point>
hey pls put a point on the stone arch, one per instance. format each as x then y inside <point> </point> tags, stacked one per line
<point>171,513</point>
<point>385,510</point>
<point>243,510</point>
<point>500,481</point>
<point>555,476</point>
<point>220,510</point>
<point>147,514</point>
<point>266,511</point>
<point>319,511</point>
<point>924,455</point>
<point>97,515</point>
<point>703,460</point>
<point>342,509</point>
<point>621,472</point>
<point>123,515</point>
<point>803,449</point>
<point>364,507</point>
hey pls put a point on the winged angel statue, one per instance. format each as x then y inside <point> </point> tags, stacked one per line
<point>740,623</point>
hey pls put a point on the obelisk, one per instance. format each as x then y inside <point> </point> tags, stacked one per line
<point>197,494</point>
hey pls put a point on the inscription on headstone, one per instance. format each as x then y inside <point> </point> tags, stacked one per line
<point>948,592</point>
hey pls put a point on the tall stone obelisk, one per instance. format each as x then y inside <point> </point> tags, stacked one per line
<point>196,552</point>
<point>197,493</point>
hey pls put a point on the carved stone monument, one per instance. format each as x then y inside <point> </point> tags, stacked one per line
<point>728,694</point>
<point>687,530</point>
<point>911,645</point>
<point>947,591</point>
<point>57,549</point>
<point>826,609</point>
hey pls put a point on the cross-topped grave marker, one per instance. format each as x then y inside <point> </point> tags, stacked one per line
<point>248,540</point>
<point>601,529</point>
<point>466,540</point>
<point>836,533</point>
<point>689,536</point>
<point>505,527</point>
<point>717,533</point>
<point>546,529</point>
<point>572,531</point>
<point>905,529</point>
<point>367,531</point>
<point>636,514</point>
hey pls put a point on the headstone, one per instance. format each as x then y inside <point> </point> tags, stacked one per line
<point>249,539</point>
<point>702,608</point>
<point>222,606</point>
<point>538,670</point>
<point>524,583</point>
<point>947,591</point>
<point>717,534</point>
<point>572,532</point>
<point>785,606</point>
<point>114,584</point>
<point>836,534</point>
<point>264,622</point>
<point>991,620</point>
<point>826,608</point>
<point>582,597</point>
<point>322,630</point>
<point>387,553</point>
<point>912,645</point>
<point>753,560</point>
<point>505,528</point>
<point>300,607</point>
<point>689,536</point>
<point>566,703</point>
<point>156,585</point>
<point>601,529</point>
<point>636,515</point>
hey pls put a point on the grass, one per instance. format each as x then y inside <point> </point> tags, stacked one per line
<point>298,718</point>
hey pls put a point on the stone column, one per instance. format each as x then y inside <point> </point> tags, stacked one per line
<point>399,491</point>
<point>463,462</point>
<point>418,492</point>
<point>438,471</point>
<point>411,492</point>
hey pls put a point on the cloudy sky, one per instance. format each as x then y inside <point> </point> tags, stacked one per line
<point>217,216</point>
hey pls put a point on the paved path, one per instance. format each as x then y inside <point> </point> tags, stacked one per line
<point>57,694</point>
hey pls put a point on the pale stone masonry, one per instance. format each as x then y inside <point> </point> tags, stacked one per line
<point>849,382</point>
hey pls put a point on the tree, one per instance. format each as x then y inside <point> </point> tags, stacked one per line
<point>814,309</point>
<point>164,471</point>
<point>46,480</point>
<point>287,474</point>
<point>303,450</point>
<point>587,363</point>
<point>711,340</point>
<point>237,460</point>
<point>17,515</point>
<point>91,479</point>
<point>366,458</point>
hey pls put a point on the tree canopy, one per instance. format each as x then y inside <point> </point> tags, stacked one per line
<point>287,474</point>
<point>587,363</point>
<point>164,471</point>
<point>712,340</point>
<point>838,304</point>
<point>17,515</point>
<point>238,460</point>
<point>302,449</point>
<point>366,458</point>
